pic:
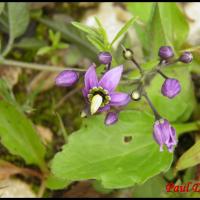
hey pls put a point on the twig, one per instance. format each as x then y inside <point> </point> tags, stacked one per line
<point>41,189</point>
<point>72,92</point>
<point>36,66</point>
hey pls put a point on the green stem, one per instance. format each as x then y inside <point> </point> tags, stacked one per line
<point>36,66</point>
<point>8,47</point>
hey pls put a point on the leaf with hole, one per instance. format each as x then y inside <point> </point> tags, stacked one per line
<point>119,156</point>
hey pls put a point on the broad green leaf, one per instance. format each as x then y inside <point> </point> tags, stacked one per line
<point>154,187</point>
<point>123,30</point>
<point>180,108</point>
<point>18,135</point>
<point>30,43</point>
<point>18,14</point>
<point>190,158</point>
<point>55,183</point>
<point>73,35</point>
<point>100,152</point>
<point>1,6</point>
<point>163,24</point>
<point>174,23</point>
<point>142,10</point>
<point>155,33</point>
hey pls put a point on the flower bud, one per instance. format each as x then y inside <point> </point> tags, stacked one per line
<point>67,78</point>
<point>128,54</point>
<point>164,134</point>
<point>170,88</point>
<point>111,118</point>
<point>186,57</point>
<point>165,52</point>
<point>105,58</point>
<point>135,95</point>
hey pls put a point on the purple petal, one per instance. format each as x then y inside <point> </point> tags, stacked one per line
<point>91,79</point>
<point>85,93</point>
<point>111,79</point>
<point>111,118</point>
<point>105,108</point>
<point>119,99</point>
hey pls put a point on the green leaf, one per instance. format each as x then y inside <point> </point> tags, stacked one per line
<point>163,24</point>
<point>154,187</point>
<point>174,23</point>
<point>55,183</point>
<point>73,35</point>
<point>155,33</point>
<point>100,152</point>
<point>18,14</point>
<point>124,29</point>
<point>6,92</point>
<point>98,44</point>
<point>143,11</point>
<point>1,6</point>
<point>102,34</point>
<point>85,28</point>
<point>180,108</point>
<point>18,135</point>
<point>190,158</point>
<point>44,50</point>
<point>30,43</point>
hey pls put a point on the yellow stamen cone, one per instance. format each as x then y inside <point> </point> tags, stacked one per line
<point>96,103</point>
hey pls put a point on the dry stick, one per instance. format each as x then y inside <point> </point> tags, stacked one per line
<point>41,189</point>
<point>31,173</point>
<point>36,66</point>
<point>72,92</point>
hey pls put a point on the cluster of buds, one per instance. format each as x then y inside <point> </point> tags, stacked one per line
<point>100,95</point>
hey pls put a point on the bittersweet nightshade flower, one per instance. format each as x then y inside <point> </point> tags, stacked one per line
<point>164,134</point>
<point>171,87</point>
<point>186,57</point>
<point>165,52</point>
<point>111,118</point>
<point>105,58</point>
<point>67,78</point>
<point>100,95</point>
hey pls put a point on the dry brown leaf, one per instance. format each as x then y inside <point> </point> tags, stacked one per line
<point>45,134</point>
<point>11,74</point>
<point>8,169</point>
<point>43,80</point>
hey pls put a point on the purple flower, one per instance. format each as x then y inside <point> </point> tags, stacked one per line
<point>105,57</point>
<point>164,134</point>
<point>100,94</point>
<point>111,118</point>
<point>165,52</point>
<point>67,78</point>
<point>170,88</point>
<point>186,57</point>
